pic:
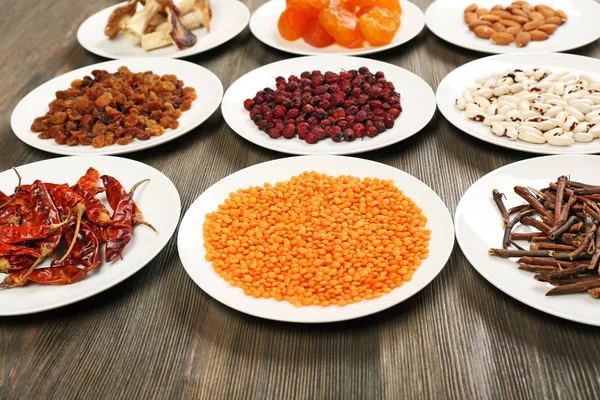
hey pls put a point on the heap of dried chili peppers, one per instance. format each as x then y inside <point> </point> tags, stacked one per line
<point>36,218</point>
<point>565,250</point>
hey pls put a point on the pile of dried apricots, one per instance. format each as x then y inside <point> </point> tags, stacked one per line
<point>347,22</point>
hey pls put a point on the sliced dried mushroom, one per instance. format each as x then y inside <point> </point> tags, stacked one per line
<point>118,18</point>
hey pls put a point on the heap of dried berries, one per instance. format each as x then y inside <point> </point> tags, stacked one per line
<point>316,106</point>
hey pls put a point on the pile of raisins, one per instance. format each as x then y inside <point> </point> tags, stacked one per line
<point>345,106</point>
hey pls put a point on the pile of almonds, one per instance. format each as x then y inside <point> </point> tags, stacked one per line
<point>520,22</point>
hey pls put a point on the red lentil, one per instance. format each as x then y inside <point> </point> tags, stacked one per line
<point>317,239</point>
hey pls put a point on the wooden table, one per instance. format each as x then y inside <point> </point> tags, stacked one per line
<point>157,335</point>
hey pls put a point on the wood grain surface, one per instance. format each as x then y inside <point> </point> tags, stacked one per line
<point>157,335</point>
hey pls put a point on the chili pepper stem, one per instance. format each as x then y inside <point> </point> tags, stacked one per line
<point>137,219</point>
<point>16,191</point>
<point>137,185</point>
<point>79,209</point>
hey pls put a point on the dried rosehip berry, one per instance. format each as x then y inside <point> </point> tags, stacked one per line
<point>349,135</point>
<point>288,133</point>
<point>388,121</point>
<point>248,104</point>
<point>319,133</point>
<point>359,130</point>
<point>311,139</point>
<point>371,131</point>
<point>379,125</point>
<point>274,133</point>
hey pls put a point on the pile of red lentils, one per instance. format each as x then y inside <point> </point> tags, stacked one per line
<point>317,239</point>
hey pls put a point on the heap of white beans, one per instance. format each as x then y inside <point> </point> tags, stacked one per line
<point>536,105</point>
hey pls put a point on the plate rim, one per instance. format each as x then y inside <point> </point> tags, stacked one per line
<point>440,203</point>
<point>121,149</point>
<point>340,152</point>
<point>481,271</point>
<point>127,274</point>
<point>507,143</point>
<point>176,55</point>
<point>348,52</point>
<point>502,49</point>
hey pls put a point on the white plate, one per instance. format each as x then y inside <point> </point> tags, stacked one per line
<point>208,88</point>
<point>263,25</point>
<point>230,17</point>
<point>445,19</point>
<point>416,97</point>
<point>479,228</point>
<point>158,200</point>
<point>456,82</point>
<point>190,240</point>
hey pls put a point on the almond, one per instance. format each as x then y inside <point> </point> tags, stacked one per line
<point>554,20</point>
<point>518,3</point>
<point>531,25</point>
<point>484,32</point>
<point>482,11</point>
<point>548,28</point>
<point>509,22</point>
<point>537,15</point>
<point>538,35</point>
<point>519,19</point>
<point>527,7</point>
<point>502,38</point>
<point>471,8</point>
<point>498,27</point>
<point>561,14</point>
<point>501,13</point>
<point>523,38</point>
<point>497,7</point>
<point>519,12</point>
<point>545,10</point>
<point>479,23</point>
<point>470,18</point>
<point>514,30</point>
<point>490,17</point>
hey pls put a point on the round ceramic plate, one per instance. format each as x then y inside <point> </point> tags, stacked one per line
<point>158,200</point>
<point>192,251</point>
<point>35,104</point>
<point>479,228</point>
<point>456,81</point>
<point>416,97</point>
<point>230,17</point>
<point>263,25</point>
<point>445,19</point>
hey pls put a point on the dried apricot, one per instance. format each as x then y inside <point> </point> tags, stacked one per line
<point>379,26</point>
<point>392,5</point>
<point>315,35</point>
<point>303,7</point>
<point>291,23</point>
<point>342,25</point>
<point>363,11</point>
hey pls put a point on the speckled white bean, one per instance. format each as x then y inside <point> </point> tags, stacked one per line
<point>498,129</point>
<point>595,131</point>
<point>583,137</point>
<point>493,118</point>
<point>560,140</point>
<point>483,92</point>
<point>554,132</point>
<point>575,113</point>
<point>529,137</point>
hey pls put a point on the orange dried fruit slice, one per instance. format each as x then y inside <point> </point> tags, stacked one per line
<point>343,26</point>
<point>291,24</point>
<point>379,26</point>
<point>392,5</point>
<point>315,35</point>
<point>304,7</point>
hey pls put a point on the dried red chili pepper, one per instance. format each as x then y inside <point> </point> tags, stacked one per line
<point>48,276</point>
<point>8,213</point>
<point>89,181</point>
<point>24,233</point>
<point>86,249</point>
<point>9,250</point>
<point>63,197</point>
<point>46,218</point>
<point>13,264</point>
<point>96,212</point>
<point>115,191</point>
<point>119,233</point>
